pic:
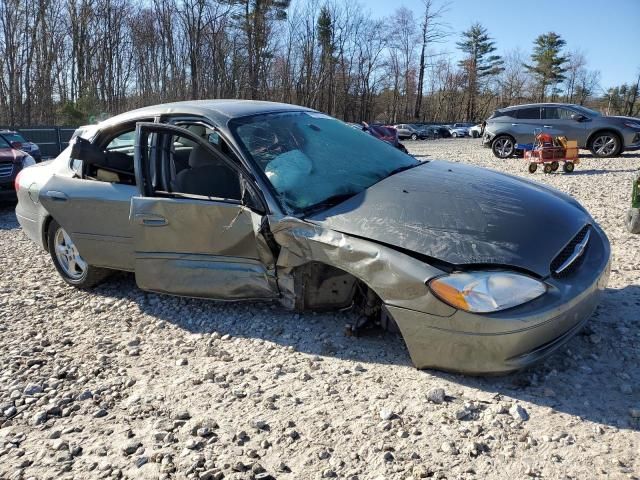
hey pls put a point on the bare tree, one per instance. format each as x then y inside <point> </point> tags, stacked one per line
<point>432,30</point>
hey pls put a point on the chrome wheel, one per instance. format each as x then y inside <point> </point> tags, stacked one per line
<point>68,256</point>
<point>605,145</point>
<point>503,147</point>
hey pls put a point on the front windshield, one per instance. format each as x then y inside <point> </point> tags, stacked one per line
<point>310,158</point>
<point>14,137</point>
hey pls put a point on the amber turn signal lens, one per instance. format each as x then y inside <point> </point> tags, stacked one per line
<point>449,294</point>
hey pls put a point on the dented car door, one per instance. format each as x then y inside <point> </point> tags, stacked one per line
<point>194,246</point>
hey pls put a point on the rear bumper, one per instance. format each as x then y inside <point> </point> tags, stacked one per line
<point>509,340</point>
<point>487,138</point>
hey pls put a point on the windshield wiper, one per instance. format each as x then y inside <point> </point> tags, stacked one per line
<point>328,202</point>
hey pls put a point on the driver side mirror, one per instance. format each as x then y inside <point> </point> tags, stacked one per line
<point>16,145</point>
<point>578,117</point>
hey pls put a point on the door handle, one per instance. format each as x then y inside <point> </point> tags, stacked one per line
<point>57,196</point>
<point>149,220</point>
<point>515,124</point>
<point>547,126</point>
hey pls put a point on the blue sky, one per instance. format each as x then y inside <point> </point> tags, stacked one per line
<point>606,31</point>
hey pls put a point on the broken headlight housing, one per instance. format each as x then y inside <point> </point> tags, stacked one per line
<point>486,292</point>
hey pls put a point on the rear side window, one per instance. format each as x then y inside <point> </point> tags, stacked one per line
<point>528,113</point>
<point>4,143</point>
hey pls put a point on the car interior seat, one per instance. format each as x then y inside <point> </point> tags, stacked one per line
<point>207,176</point>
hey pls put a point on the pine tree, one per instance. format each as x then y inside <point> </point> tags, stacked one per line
<point>479,64</point>
<point>256,18</point>
<point>325,30</point>
<point>548,63</point>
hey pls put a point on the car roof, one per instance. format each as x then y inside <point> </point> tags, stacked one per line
<point>220,110</point>
<point>547,104</point>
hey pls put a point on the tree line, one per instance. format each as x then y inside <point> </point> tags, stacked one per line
<point>77,61</point>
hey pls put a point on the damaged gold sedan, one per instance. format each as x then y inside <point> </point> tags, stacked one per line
<point>232,200</point>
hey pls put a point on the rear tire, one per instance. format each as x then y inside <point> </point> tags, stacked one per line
<point>414,136</point>
<point>606,144</point>
<point>555,165</point>
<point>533,167</point>
<point>68,262</point>
<point>568,167</point>
<point>503,146</point>
<point>633,220</point>
<point>547,168</point>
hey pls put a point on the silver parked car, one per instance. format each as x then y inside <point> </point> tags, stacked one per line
<point>233,200</point>
<point>406,131</point>
<point>605,136</point>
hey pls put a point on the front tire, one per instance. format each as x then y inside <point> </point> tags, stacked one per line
<point>70,265</point>
<point>414,136</point>
<point>568,167</point>
<point>503,146</point>
<point>606,144</point>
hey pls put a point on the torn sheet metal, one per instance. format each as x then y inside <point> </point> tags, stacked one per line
<point>395,277</point>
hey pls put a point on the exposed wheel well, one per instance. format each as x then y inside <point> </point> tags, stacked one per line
<point>323,287</point>
<point>604,130</point>
<point>45,232</point>
<point>503,135</point>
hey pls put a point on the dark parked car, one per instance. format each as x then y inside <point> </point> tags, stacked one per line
<point>17,140</point>
<point>443,131</point>
<point>605,136</point>
<point>235,200</point>
<point>431,132</point>
<point>12,161</point>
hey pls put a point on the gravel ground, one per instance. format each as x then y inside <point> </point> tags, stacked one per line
<point>118,383</point>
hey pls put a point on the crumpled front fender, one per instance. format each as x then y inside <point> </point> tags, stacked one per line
<point>397,278</point>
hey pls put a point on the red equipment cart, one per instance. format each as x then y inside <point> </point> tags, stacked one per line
<point>550,152</point>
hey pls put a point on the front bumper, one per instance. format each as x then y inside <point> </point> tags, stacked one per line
<point>7,191</point>
<point>512,339</point>
<point>632,141</point>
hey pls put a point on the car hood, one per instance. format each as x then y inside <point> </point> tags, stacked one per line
<point>463,216</point>
<point>9,154</point>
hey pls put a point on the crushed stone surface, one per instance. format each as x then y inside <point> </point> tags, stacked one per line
<point>118,383</point>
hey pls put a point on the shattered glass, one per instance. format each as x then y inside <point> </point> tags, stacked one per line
<point>310,157</point>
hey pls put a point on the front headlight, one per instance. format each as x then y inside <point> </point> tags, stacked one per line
<point>635,125</point>
<point>27,161</point>
<point>484,292</point>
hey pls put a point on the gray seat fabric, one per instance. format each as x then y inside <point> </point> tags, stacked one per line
<point>207,176</point>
